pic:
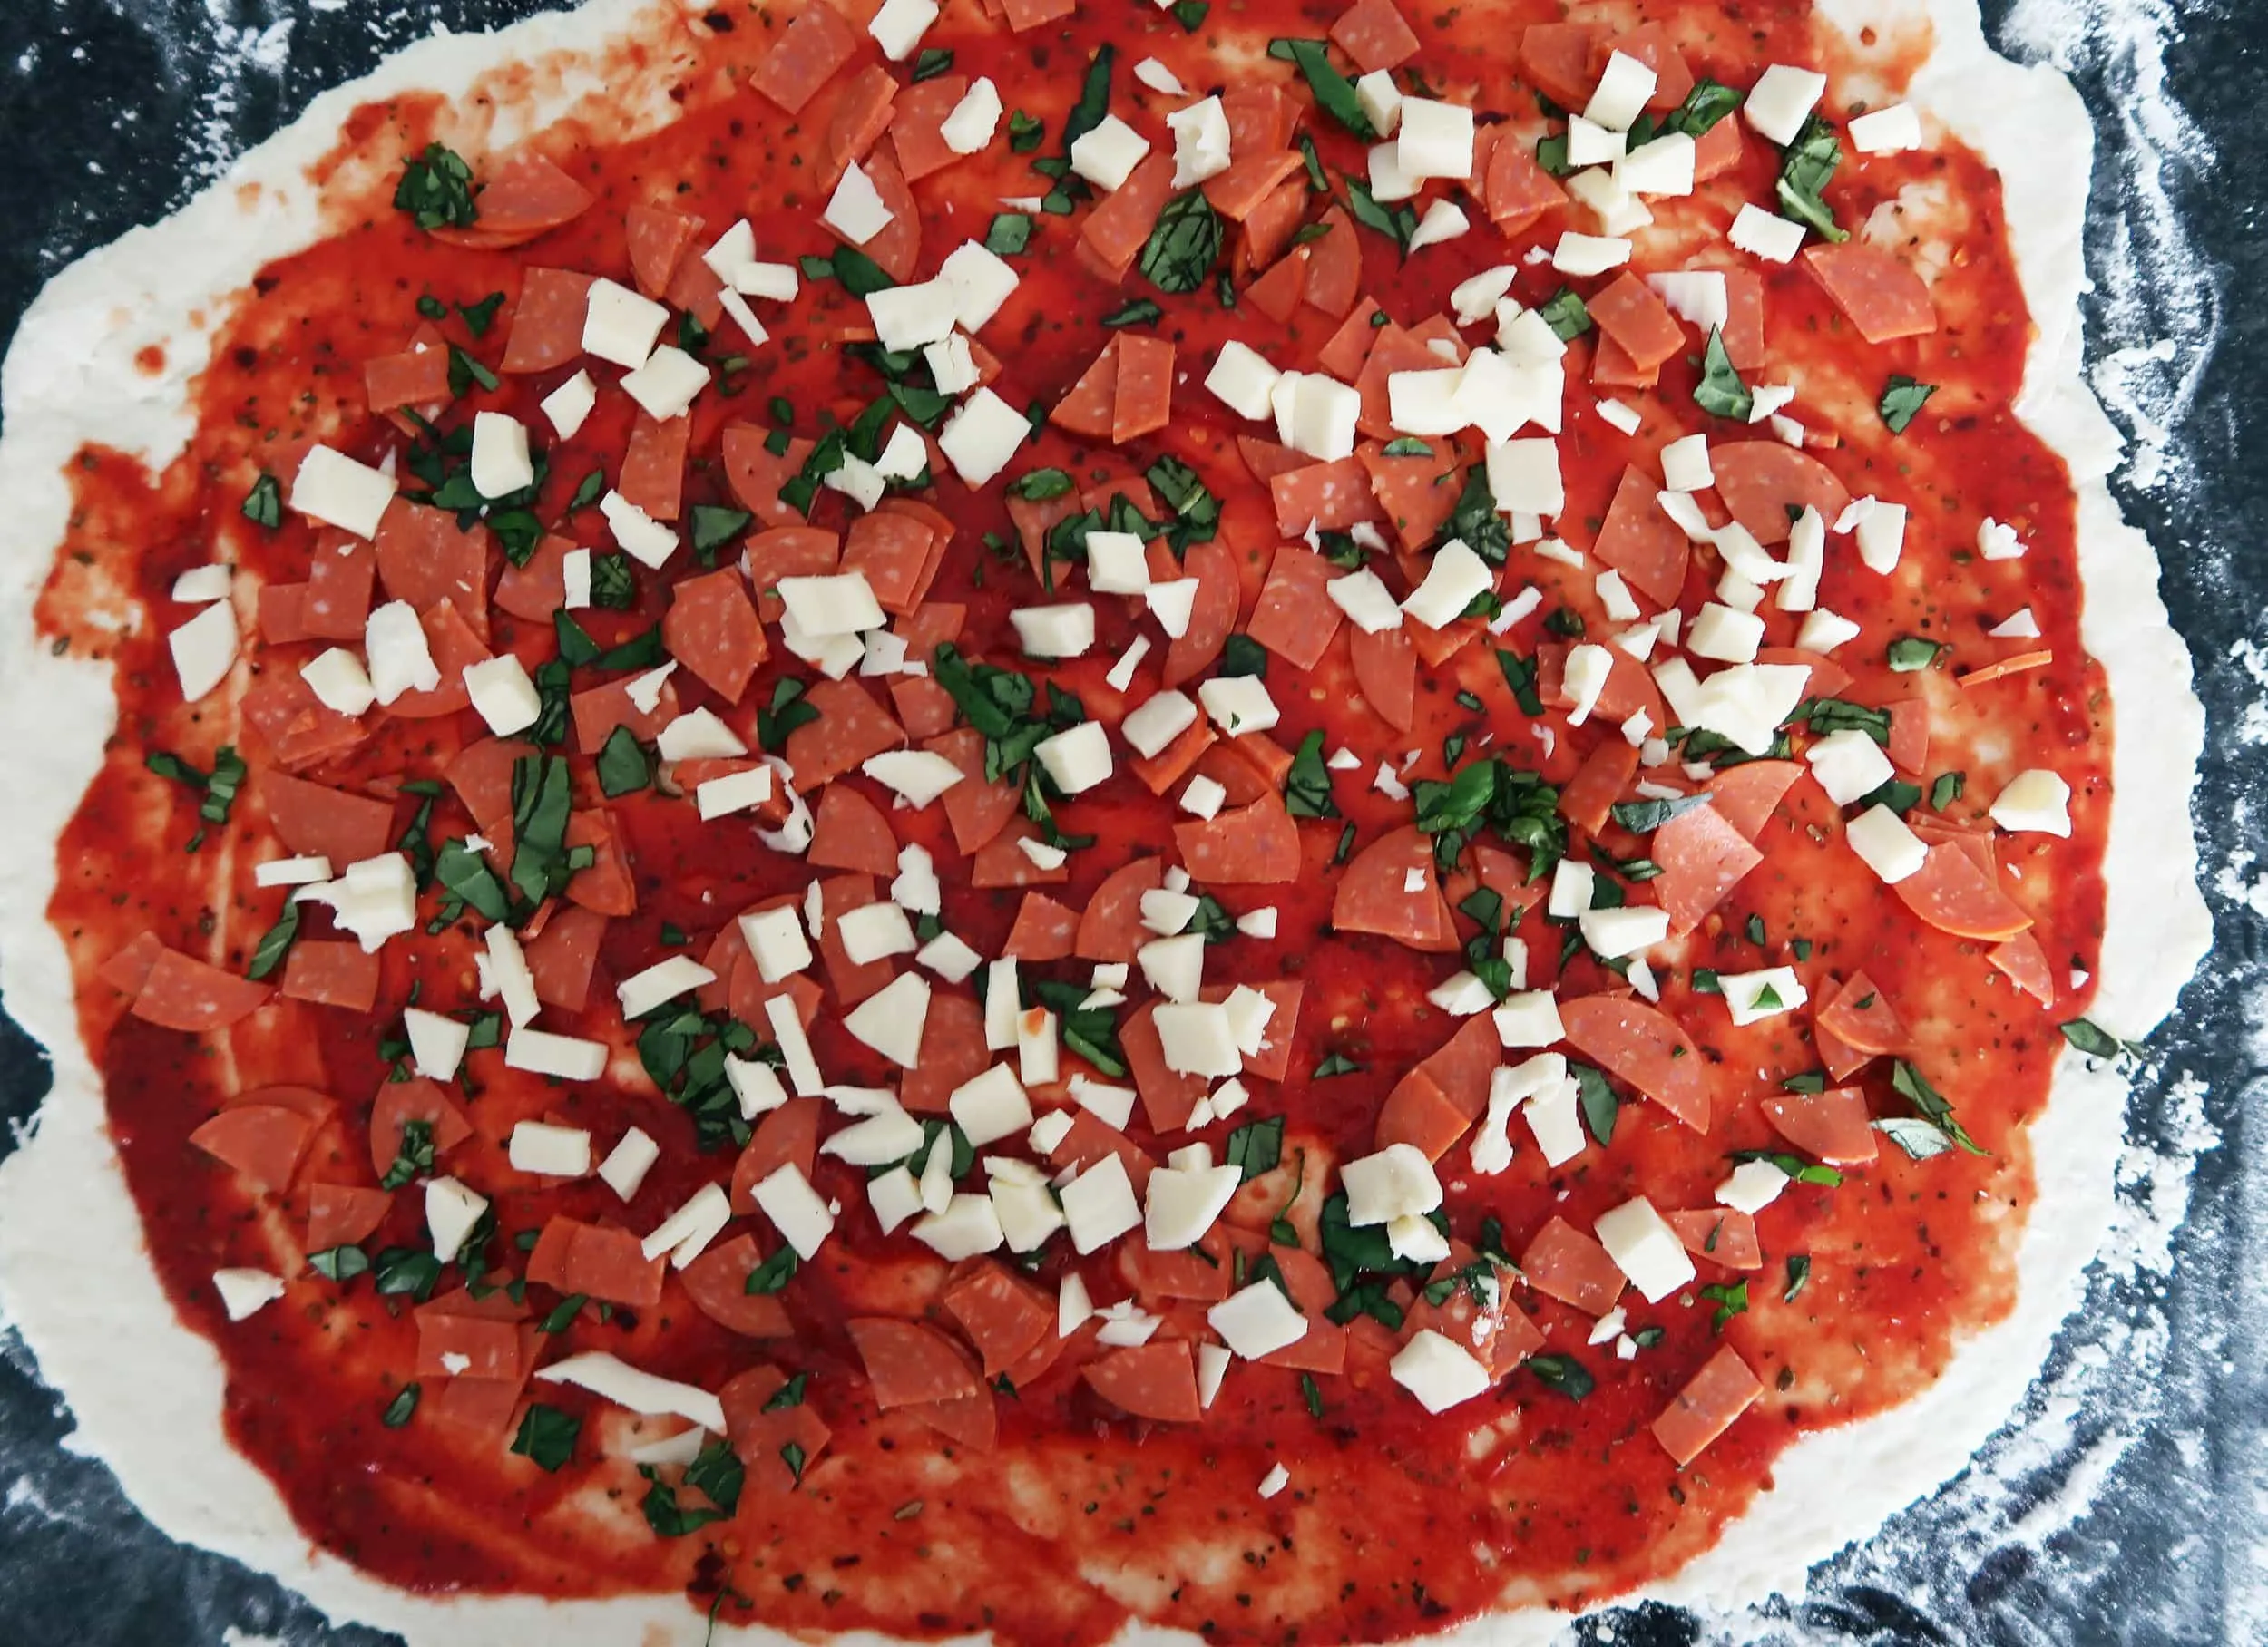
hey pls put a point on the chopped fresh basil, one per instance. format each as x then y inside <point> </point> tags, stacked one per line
<point>1946,789</point>
<point>1897,795</point>
<point>1795,1167</point>
<point>714,526</point>
<point>1196,510</point>
<point>263,505</point>
<point>787,711</point>
<point>1311,1393</point>
<point>1183,245</point>
<point>1799,1275</point>
<point>1720,393</point>
<point>1910,653</point>
<point>933,61</point>
<point>2093,1039</point>
<point>1597,1102</point>
<point>562,1315</point>
<point>1643,817</point>
<point>1408,445</point>
<point>1336,1063</point>
<point>789,1394</point>
<point>1806,165</point>
<point>1563,1373</point>
<point>1025,132</point>
<point>1825,714</point>
<point>1244,656</point>
<point>1930,1105</point>
<point>1397,222</point>
<point>591,489</point>
<point>858,274</point>
<point>623,768</point>
<point>1519,675</point>
<point>1552,154</point>
<point>1335,93</point>
<point>1730,1300</point>
<point>340,1264</point>
<point>275,943</point>
<point>1902,400</point>
<point>468,881</point>
<point>670,1520</point>
<point>1139,311</point>
<point>413,1157</point>
<point>436,189</point>
<point>402,1408</point>
<point>1705,105</point>
<point>774,1273</point>
<point>1566,314</point>
<point>464,372</point>
<point>1010,232</point>
<point>1255,1147</point>
<point>1191,14</point>
<point>406,1271</point>
<point>479,316</point>
<point>1919,1139</point>
<point>1307,783</point>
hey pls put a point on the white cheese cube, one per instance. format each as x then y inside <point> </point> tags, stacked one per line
<point>949,957</point>
<point>893,1197</point>
<point>1117,563</point>
<point>1257,1321</point>
<point>918,776</point>
<point>1686,464</point>
<point>1098,1205</point>
<point>566,1056</point>
<point>1753,1186</point>
<point>1172,603</point>
<point>1174,966</point>
<point>756,1085</point>
<point>1435,139</point>
<point>839,603</point>
<point>667,383</point>
<point>908,316</point>
<point>1106,154</point>
<point>991,1105</point>
<point>1823,631</point>
<point>1197,1037</point>
<point>1524,474</point>
<point>980,438</point>
<point>1585,255</point>
<point>627,1163</point>
<point>2035,802</point>
<point>245,1292</point>
<point>1438,1371</point>
<point>574,572</point>
<point>1530,1017</point>
<point>1590,667</point>
<point>974,119</point>
<point>1615,933</point>
<point>400,660</point>
<point>775,940</point>
<point>338,491</point>
<point>1782,100</point>
<point>339,681</point>
<point>1885,844</point>
<point>1077,758</point>
<point>1443,220</point>
<point>802,1219</point>
<point>1062,631</point>
<point>1645,1249</point>
<point>1765,234</point>
<point>1996,541</point>
<point>504,695</point>
<point>1849,764</point>
<point>620,325</point>
<point>898,26</point>
<point>951,365</point>
<point>1753,997</point>
<point>451,1211</point>
<point>550,1150</point>
<point>1390,182</point>
<point>856,209</point>
<point>735,791</point>
<point>1397,1182</point>
<point>1242,380</point>
<point>980,281</point>
<point>1203,798</point>
<point>204,649</point>
<point>1621,94</point>
<point>1589,143</point>
<point>1886,130</point>
<point>1322,416</point>
<point>293,871</point>
<point>1150,728</point>
<point>660,984</point>
<point>875,931</point>
<point>644,538</point>
<point>1662,168</point>
<point>967,1227</point>
<point>1182,1204</point>
<point>1201,139</point>
<point>1455,578</point>
<point>1722,633</point>
<point>499,465</point>
<point>1366,600</point>
<point>1475,298</point>
<point>1882,537</point>
<point>1238,704</point>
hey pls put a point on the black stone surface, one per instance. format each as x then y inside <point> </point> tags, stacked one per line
<point>112,111</point>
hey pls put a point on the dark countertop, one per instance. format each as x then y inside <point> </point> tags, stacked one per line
<point>2128,1501</point>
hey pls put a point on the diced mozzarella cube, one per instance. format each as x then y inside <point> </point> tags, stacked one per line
<point>1150,728</point>
<point>898,26</point>
<point>1182,1204</point>
<point>991,1105</point>
<point>1455,578</point>
<point>1782,100</point>
<point>1201,139</point>
<point>1529,1018</point>
<point>1524,474</point>
<point>452,1210</point>
<point>1612,934</point>
<point>949,957</point>
<point>1117,563</point>
<point>1882,537</point>
<point>400,660</point>
<point>1172,603</point>
<point>1238,704</point>
<point>1884,843</point>
<point>551,1151</point>
<point>667,383</point>
<point>1203,798</point>
<point>1696,296</point>
<point>1475,298</point>
<point>1887,131</point>
<point>1765,234</point>
<point>1443,220</point>
<point>504,695</point>
<point>1582,255</point>
<point>1434,139</point>
<point>838,603</point>
<point>980,282</point>
<point>1645,1249</point>
<point>1323,413</point>
<point>1098,1205</point>
<point>568,1057</point>
<point>908,316</point>
<point>204,649</point>
<point>2035,802</point>
<point>1107,153</point>
<point>1077,758</point>
<point>1617,415</point>
<point>1571,884</point>
<point>244,1292</point>
<point>1996,541</point>
<point>1849,764</point>
<point>951,364</point>
<point>1686,464</point>
<point>620,325</point>
<point>1589,143</point>
<point>856,209</point>
<point>980,438</point>
<point>1366,600</point>
<point>974,119</point>
<point>1722,633</point>
<point>803,1220</point>
<point>660,983</point>
<point>1662,168</point>
<point>918,776</point>
<point>1397,1182</point>
<point>574,576</point>
<point>644,538</point>
<point>756,1085</point>
<point>1380,100</point>
<point>1390,183</point>
<point>1197,1037</point>
<point>776,943</point>
<point>1621,94</point>
<point>893,1197</point>
<point>1823,631</point>
<point>1242,380</point>
<point>339,682</point>
<point>1753,997</point>
<point>1062,631</point>
<point>627,1163</point>
<point>500,463</point>
<point>1438,1371</point>
<point>333,488</point>
<point>1257,1320</point>
<point>1590,667</point>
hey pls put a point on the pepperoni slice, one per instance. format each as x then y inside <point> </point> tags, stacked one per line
<point>1762,482</point>
<point>412,377</point>
<point>297,729</point>
<point>1628,312</point>
<point>1373,33</point>
<point>597,711</point>
<point>262,1142</point>
<point>1293,618</point>
<point>479,1345</point>
<point>1629,689</point>
<point>1088,407</point>
<point>861,116</point>
<point>977,808</point>
<point>1385,673</point>
<point>193,997</point>
<point>596,1261</point>
<point>425,559</point>
<point>891,550</point>
<point>547,321</point>
<point>952,1051</point>
<point>1342,356</point>
<point>337,604</point>
<point>924,709</point>
<point>342,1214</point>
<point>1260,114</point>
<point>1716,152</point>
<point>1419,1114</point>
<point>1706,1408</point>
<point>1876,289</point>
<point>1746,795</point>
<point>1090,1139</point>
<point>1269,227</point>
<point>1156,1381</point>
<point>455,645</point>
<point>1325,497</point>
<point>1651,45</point>
<point>1115,230</point>
<point>416,1099</point>
<point>653,465</point>
<point>1953,895</point>
<point>1743,309</point>
<point>1416,493</point>
<point>910,1364</point>
<point>1167,1097</point>
<point>1612,367</point>
<point>787,551</point>
<point>712,628</point>
<point>1212,616</point>
<point>1251,178</point>
<point>1563,1263</point>
<point>316,821</point>
<point>535,589</point>
<point>717,1283</point>
<point>850,831</point>
<point>1044,930</point>
<point>1392,350</point>
<point>805,58</point>
<point>481,773</point>
<point>761,1437</point>
<point>564,954</point>
<point>1641,542</point>
<point>605,887</point>
<point>851,729</point>
<point>1556,57</point>
<point>917,124</point>
<point>1702,859</point>
<point>1861,1017</point>
<point>1374,895</point>
<point>331,974</point>
<point>1142,400</point>
<point>1111,925</point>
<point>1188,752</point>
<point>1335,271</point>
<point>657,238</point>
<point>527,196</point>
<point>1598,783</point>
<point>1195,1272</point>
<point>1024,15</point>
<point>1005,1317</point>
<point>1252,845</point>
<point>1645,1047</point>
<point>2024,961</point>
<point>1833,1126</point>
<point>1721,1235</point>
<point>785,1137</point>
<point>756,474</point>
<point>1003,862</point>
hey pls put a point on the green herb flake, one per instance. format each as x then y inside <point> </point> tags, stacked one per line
<point>1902,400</point>
<point>1910,653</point>
<point>1010,233</point>
<point>1799,1275</point>
<point>1183,245</point>
<point>1563,1373</point>
<point>1255,1147</point>
<point>1566,314</point>
<point>263,505</point>
<point>436,189</point>
<point>933,61</point>
<point>1947,788</point>
<point>403,1408</point>
<point>1335,93</point>
<point>1720,393</point>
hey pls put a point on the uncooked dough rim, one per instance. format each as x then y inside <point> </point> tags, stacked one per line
<point>71,1278</point>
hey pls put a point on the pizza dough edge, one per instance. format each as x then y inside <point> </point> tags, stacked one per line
<point>72,1281</point>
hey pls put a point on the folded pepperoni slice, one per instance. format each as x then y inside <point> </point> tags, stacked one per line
<point>425,557</point>
<point>296,728</point>
<point>412,377</point>
<point>332,974</point>
<point>1167,1097</point>
<point>851,729</point>
<point>461,1345</point>
<point>1702,859</point>
<point>860,116</point>
<point>1212,616</point>
<point>1563,1263</point>
<point>1833,1126</point>
<point>1115,230</point>
<point>1557,56</point>
<point>917,124</point>
<point>1251,178</point>
<point>1269,227</point>
<point>1334,270</point>
<point>337,603</point>
<point>1416,493</point>
<point>891,550</point>
<point>910,1364</point>
<point>262,1142</point>
<point>1951,893</point>
<point>1087,407</point>
<point>1373,33</point>
<point>315,819</point>
<point>1874,287</point>
<point>850,831</point>
<point>977,808</point>
<point>717,1283</point>
<point>1628,312</point>
<point>1044,930</point>
<point>1142,398</point>
<point>536,588</point>
<point>343,1214</point>
<point>606,887</point>
<point>1598,783</point>
<point>1385,673</point>
<point>1004,1316</point>
<point>597,1260</point>
<point>1252,845</point>
<point>547,320</point>
<point>1156,1381</point>
<point>952,1051</point>
<point>1323,497</point>
<point>712,628</point>
<point>1111,925</point>
<point>1746,795</point>
<point>1390,888</point>
<point>1706,1408</point>
<point>1767,484</point>
<point>1645,1047</point>
<point>1642,543</point>
<point>193,996</point>
<point>756,474</point>
<point>1613,367</point>
<point>1293,618</point>
<point>1342,354</point>
<point>805,58</point>
<point>1419,1114</point>
<point>526,197</point>
<point>779,1445</point>
<point>1861,1018</point>
<point>652,475</point>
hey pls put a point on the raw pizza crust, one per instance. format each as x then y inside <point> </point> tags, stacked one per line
<point>74,1279</point>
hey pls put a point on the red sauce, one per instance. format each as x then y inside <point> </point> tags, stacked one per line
<point>1393,1522</point>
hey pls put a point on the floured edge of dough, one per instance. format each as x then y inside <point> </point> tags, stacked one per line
<point>75,1277</point>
